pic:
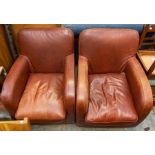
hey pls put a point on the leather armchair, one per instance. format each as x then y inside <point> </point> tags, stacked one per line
<point>41,84</point>
<point>112,88</point>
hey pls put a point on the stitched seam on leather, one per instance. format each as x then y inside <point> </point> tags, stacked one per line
<point>30,64</point>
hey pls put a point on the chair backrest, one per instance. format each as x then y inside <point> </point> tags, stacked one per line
<point>107,50</point>
<point>46,49</point>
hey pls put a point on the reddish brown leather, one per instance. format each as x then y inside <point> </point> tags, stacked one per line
<point>69,88</point>
<point>107,50</point>
<point>110,100</point>
<point>46,48</point>
<point>140,88</point>
<point>42,98</point>
<point>14,84</point>
<point>114,75</point>
<point>46,54</point>
<point>82,90</point>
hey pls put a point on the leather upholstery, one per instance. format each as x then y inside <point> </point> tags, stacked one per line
<point>110,100</point>
<point>140,88</point>
<point>43,94</point>
<point>82,90</point>
<point>41,84</point>
<point>69,88</point>
<point>50,46</point>
<point>118,92</point>
<point>78,28</point>
<point>14,84</point>
<point>103,50</point>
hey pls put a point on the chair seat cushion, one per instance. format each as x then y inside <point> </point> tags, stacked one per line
<point>42,98</point>
<point>110,100</point>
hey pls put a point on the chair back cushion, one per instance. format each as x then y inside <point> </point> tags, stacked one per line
<point>46,49</point>
<point>107,50</point>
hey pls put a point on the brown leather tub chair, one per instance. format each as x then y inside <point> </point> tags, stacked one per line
<point>112,88</point>
<point>40,84</point>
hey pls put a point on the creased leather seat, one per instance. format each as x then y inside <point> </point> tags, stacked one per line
<point>43,95</point>
<point>110,100</point>
<point>40,84</point>
<point>112,88</point>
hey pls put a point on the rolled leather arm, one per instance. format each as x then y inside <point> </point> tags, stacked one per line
<point>14,84</point>
<point>140,88</point>
<point>4,114</point>
<point>69,88</point>
<point>82,90</point>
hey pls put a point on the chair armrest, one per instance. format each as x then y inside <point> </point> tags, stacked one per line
<point>139,87</point>
<point>69,88</point>
<point>4,114</point>
<point>14,84</point>
<point>82,90</point>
